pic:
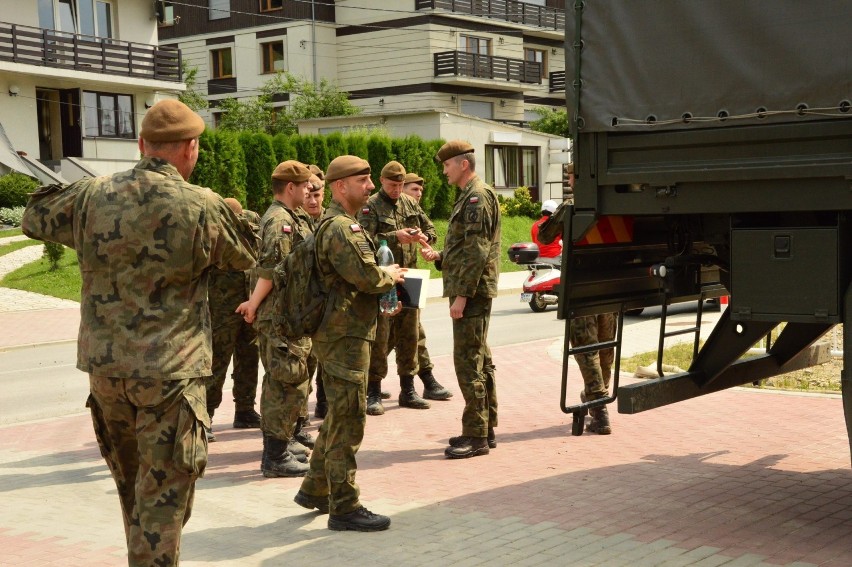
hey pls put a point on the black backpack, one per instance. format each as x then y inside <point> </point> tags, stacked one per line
<point>300,293</point>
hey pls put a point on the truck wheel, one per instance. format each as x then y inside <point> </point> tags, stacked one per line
<point>537,304</point>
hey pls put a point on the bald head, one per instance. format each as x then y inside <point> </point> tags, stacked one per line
<point>234,204</point>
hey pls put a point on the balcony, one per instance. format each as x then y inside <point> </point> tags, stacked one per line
<point>462,64</point>
<point>508,10</point>
<point>62,50</point>
<point>557,81</point>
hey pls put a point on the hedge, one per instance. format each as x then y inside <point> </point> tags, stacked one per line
<point>15,189</point>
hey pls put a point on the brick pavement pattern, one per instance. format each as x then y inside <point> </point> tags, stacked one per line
<point>738,478</point>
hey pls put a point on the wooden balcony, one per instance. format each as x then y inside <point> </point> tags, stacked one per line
<point>462,64</point>
<point>62,50</point>
<point>508,10</point>
<point>557,81</point>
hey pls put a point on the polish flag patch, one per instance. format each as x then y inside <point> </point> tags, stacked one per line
<point>365,211</point>
<point>355,227</point>
<point>474,200</point>
<point>287,229</point>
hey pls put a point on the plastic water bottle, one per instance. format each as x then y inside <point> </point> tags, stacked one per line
<point>387,302</point>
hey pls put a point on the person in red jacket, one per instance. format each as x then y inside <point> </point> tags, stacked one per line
<point>549,253</point>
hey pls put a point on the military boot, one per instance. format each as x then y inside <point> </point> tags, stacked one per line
<point>303,436</point>
<point>374,399</point>
<point>311,502</point>
<point>432,390</point>
<point>359,520</point>
<point>467,447</point>
<point>246,419</point>
<point>600,421</point>
<point>279,461</point>
<point>298,450</point>
<point>385,395</point>
<point>461,440</point>
<point>408,396</point>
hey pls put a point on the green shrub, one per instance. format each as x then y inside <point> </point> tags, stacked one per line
<point>284,149</point>
<point>379,150</point>
<point>335,146</point>
<point>305,150</point>
<point>53,252</point>
<point>356,145</point>
<point>260,163</point>
<point>15,189</point>
<point>11,216</point>
<point>521,205</point>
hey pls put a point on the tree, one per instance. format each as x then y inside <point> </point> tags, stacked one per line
<point>253,114</point>
<point>551,122</point>
<point>191,97</point>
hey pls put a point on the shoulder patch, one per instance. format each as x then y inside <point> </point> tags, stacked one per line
<point>365,211</point>
<point>287,229</point>
<point>474,200</point>
<point>355,227</point>
<point>364,247</point>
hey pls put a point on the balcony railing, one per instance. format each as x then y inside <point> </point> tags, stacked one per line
<point>509,10</point>
<point>62,50</point>
<point>460,63</point>
<point>557,81</point>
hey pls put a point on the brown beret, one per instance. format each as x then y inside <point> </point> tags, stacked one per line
<point>170,120</point>
<point>393,171</point>
<point>452,149</point>
<point>346,166</point>
<point>317,171</point>
<point>291,170</point>
<point>413,178</point>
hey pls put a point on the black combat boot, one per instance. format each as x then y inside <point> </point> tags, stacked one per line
<point>209,432</point>
<point>311,502</point>
<point>246,419</point>
<point>408,396</point>
<point>303,436</point>
<point>359,520</point>
<point>432,390</point>
<point>600,421</point>
<point>374,399</point>
<point>279,461</point>
<point>385,395</point>
<point>461,440</point>
<point>467,447</point>
<point>298,450</point>
<point>322,405</point>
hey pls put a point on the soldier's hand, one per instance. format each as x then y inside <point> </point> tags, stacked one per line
<point>429,254</point>
<point>397,310</point>
<point>457,308</point>
<point>394,271</point>
<point>247,311</point>
<point>406,236</point>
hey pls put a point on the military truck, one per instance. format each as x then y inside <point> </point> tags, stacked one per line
<point>720,133</point>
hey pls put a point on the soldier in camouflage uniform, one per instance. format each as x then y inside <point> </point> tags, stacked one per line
<point>347,261</point>
<point>595,367</point>
<point>395,218</point>
<point>470,264</point>
<point>233,337</point>
<point>432,389</point>
<point>313,210</point>
<point>145,239</point>
<point>285,382</point>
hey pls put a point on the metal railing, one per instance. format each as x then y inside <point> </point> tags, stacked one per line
<point>63,50</point>
<point>509,10</point>
<point>464,64</point>
<point>557,81</point>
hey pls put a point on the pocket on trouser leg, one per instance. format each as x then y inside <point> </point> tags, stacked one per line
<point>190,450</point>
<point>479,395</point>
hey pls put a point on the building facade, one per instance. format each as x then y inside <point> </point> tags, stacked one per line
<point>77,76</point>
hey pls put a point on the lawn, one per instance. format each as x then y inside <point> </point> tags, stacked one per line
<point>17,245</point>
<point>64,283</point>
<point>10,232</point>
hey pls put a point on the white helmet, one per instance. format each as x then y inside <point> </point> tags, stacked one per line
<point>548,206</point>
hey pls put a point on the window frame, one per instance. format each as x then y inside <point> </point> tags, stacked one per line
<point>267,5</point>
<point>216,63</point>
<point>543,61</point>
<point>265,57</point>
<point>464,44</point>
<point>116,112</point>
<point>490,163</point>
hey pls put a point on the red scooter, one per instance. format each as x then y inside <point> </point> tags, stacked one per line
<point>541,288</point>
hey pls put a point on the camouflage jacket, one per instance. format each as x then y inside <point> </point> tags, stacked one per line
<point>382,217</point>
<point>312,222</point>
<point>470,260</point>
<point>347,259</point>
<point>551,229</point>
<point>228,288</point>
<point>280,230</point>
<point>145,240</point>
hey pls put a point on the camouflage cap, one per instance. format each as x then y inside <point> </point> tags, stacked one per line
<point>317,171</point>
<point>452,149</point>
<point>291,170</point>
<point>393,171</point>
<point>170,120</point>
<point>412,177</point>
<point>346,166</point>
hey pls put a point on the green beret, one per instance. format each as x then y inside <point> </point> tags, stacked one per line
<point>393,171</point>
<point>413,178</point>
<point>346,166</point>
<point>170,120</point>
<point>291,170</point>
<point>452,149</point>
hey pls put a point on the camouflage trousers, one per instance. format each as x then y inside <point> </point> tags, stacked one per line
<point>151,434</point>
<point>234,337</point>
<point>284,393</point>
<point>423,359</point>
<point>398,333</point>
<point>475,368</point>
<point>333,465</point>
<point>596,367</point>
<point>313,367</point>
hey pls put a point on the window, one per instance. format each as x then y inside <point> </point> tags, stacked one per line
<point>476,45</point>
<point>267,5</point>
<point>219,9</point>
<point>87,17</point>
<point>537,56</point>
<point>221,63</point>
<point>108,115</point>
<point>273,57</point>
<point>511,166</point>
<point>478,108</point>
